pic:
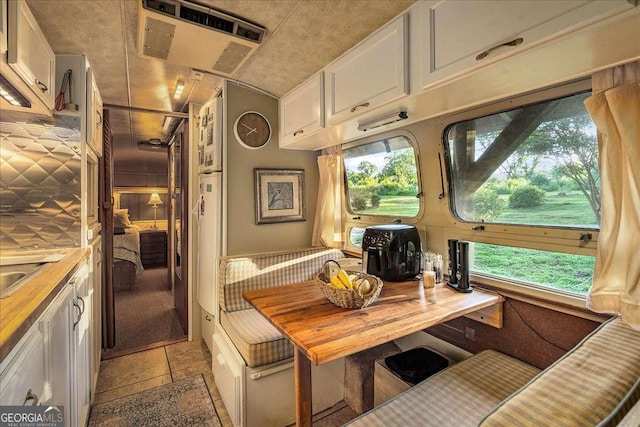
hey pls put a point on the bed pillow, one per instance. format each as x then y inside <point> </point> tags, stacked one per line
<point>121,218</point>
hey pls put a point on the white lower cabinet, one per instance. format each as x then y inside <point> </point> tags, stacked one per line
<point>264,396</point>
<point>64,326</point>
<point>51,365</point>
<point>22,373</point>
<point>55,325</point>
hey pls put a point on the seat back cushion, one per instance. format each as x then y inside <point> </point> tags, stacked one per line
<point>596,383</point>
<point>244,273</point>
<point>458,396</point>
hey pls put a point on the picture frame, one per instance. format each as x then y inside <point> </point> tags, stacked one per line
<point>280,195</point>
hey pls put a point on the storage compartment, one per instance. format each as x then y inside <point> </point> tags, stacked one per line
<point>263,396</point>
<point>401,371</point>
<point>416,364</point>
<point>207,320</point>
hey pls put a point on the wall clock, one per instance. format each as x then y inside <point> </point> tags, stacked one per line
<point>252,130</point>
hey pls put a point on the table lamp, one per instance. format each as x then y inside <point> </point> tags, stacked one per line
<point>155,201</point>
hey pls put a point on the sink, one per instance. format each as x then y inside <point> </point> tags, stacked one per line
<point>12,277</point>
<point>29,258</point>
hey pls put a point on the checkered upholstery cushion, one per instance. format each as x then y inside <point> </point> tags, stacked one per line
<point>243,273</point>
<point>458,396</point>
<point>596,383</point>
<point>256,339</point>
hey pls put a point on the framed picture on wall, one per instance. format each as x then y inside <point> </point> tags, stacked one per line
<point>280,195</point>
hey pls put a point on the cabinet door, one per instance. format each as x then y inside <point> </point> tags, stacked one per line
<point>302,111</point>
<point>371,74</point>
<point>22,380</point>
<point>3,26</point>
<point>94,130</point>
<point>29,54</point>
<point>81,377</point>
<point>96,314</point>
<point>55,325</point>
<point>453,39</point>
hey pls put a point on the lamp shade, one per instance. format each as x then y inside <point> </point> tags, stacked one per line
<point>154,199</point>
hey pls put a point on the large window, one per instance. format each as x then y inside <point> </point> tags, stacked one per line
<point>536,165</point>
<point>382,178</point>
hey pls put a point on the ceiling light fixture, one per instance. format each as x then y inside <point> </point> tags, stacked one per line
<point>382,121</point>
<point>11,94</point>
<point>179,89</point>
<point>167,123</point>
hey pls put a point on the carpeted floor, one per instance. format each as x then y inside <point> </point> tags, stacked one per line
<point>145,314</point>
<point>183,403</point>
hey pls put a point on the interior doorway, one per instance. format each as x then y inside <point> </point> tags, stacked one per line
<point>143,307</point>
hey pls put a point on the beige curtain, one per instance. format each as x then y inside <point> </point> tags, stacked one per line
<point>327,228</point>
<point>615,109</point>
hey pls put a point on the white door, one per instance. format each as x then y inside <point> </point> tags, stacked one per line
<point>209,239</point>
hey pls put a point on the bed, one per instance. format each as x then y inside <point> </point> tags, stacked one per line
<point>126,251</point>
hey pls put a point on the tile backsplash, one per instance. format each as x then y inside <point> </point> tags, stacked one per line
<point>39,186</point>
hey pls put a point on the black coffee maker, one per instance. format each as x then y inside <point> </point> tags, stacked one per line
<point>391,252</point>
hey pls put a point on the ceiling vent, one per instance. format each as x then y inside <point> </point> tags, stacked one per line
<point>188,34</point>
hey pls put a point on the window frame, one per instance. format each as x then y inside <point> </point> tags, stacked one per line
<point>563,238</point>
<point>368,218</point>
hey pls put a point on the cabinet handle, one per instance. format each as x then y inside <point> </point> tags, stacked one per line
<point>75,304</point>
<point>99,121</point>
<point>486,53</point>
<point>298,132</point>
<point>43,87</point>
<point>82,301</point>
<point>363,105</point>
<point>31,396</point>
<point>208,318</point>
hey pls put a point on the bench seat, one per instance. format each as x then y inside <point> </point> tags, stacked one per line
<point>257,340</point>
<point>595,384</point>
<point>458,396</point>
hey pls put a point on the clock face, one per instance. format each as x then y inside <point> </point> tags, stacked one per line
<point>252,130</point>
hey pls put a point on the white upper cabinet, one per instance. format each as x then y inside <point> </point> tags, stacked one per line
<point>457,36</point>
<point>94,105</point>
<point>83,100</point>
<point>29,54</point>
<point>369,75</point>
<point>302,111</point>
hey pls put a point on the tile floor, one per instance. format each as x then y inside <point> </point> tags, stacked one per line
<point>136,372</point>
<point>133,373</point>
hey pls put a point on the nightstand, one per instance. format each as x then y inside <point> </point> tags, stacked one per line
<point>153,248</point>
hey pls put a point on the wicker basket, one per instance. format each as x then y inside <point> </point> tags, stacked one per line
<point>348,298</point>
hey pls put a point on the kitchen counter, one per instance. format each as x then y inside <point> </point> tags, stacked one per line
<point>20,310</point>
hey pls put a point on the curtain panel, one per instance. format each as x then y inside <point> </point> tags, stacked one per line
<point>327,228</point>
<point>615,109</point>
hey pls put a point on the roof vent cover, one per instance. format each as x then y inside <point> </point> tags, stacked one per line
<point>195,36</point>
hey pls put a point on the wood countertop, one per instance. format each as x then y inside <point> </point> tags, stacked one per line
<point>325,332</point>
<point>20,310</point>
